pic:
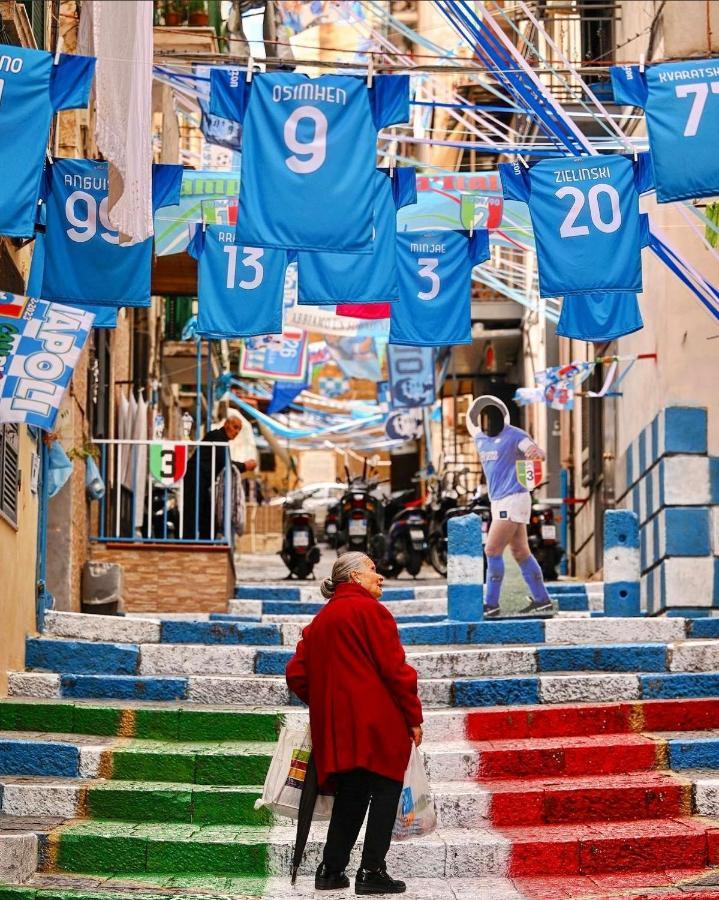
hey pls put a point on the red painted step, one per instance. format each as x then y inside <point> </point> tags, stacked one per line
<point>644,885</point>
<point>546,757</point>
<point>546,801</point>
<point>586,849</point>
<point>592,718</point>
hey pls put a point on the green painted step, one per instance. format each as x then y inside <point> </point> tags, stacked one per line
<point>128,848</point>
<point>149,888</point>
<point>159,802</point>
<point>230,763</point>
<point>173,723</point>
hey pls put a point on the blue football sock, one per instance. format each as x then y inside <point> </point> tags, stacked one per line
<point>532,574</point>
<point>495,576</point>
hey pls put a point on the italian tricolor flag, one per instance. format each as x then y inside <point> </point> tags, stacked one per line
<point>168,462</point>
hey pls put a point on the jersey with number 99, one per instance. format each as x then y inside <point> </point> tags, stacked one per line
<point>308,154</point>
<point>585,215</point>
<point>84,260</point>
<point>681,100</point>
<point>240,288</point>
<point>435,271</point>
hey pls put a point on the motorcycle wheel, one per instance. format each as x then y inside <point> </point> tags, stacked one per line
<point>547,565</point>
<point>412,560</point>
<point>438,558</point>
<point>303,568</point>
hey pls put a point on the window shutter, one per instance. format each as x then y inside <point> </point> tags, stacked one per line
<point>9,471</point>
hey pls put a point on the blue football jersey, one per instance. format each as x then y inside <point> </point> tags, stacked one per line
<point>325,279</point>
<point>681,101</point>
<point>435,278</point>
<point>308,154</point>
<point>32,90</point>
<point>84,260</point>
<point>105,316</point>
<point>499,456</point>
<point>240,288</point>
<point>585,216</point>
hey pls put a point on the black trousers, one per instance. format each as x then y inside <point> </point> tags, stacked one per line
<point>357,790</point>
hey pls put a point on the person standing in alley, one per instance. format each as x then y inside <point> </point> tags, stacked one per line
<point>350,668</point>
<point>500,447</point>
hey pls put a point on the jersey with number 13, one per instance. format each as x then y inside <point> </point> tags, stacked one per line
<point>585,215</point>
<point>308,154</point>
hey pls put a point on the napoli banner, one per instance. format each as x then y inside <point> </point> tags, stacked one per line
<point>168,462</point>
<point>275,357</point>
<point>411,376</point>
<point>404,426</point>
<point>40,344</point>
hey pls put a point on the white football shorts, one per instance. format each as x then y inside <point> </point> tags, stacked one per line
<point>513,508</point>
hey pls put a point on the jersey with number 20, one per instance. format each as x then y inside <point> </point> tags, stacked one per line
<point>681,100</point>
<point>32,90</point>
<point>308,154</point>
<point>585,215</point>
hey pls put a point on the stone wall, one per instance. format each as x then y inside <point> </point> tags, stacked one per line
<point>163,578</point>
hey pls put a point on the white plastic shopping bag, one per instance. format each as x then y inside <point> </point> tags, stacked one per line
<point>286,776</point>
<point>415,814</point>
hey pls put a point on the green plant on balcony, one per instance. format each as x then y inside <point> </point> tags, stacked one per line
<point>175,12</point>
<point>198,14</point>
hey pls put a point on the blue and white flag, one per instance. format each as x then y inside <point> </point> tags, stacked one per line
<point>411,376</point>
<point>276,357</point>
<point>40,344</point>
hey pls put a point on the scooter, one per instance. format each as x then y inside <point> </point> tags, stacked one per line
<point>300,552</point>
<point>542,535</point>
<point>478,506</point>
<point>360,523</point>
<point>444,496</point>
<point>332,525</point>
<point>407,526</point>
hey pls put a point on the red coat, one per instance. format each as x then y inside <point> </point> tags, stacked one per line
<point>350,669</point>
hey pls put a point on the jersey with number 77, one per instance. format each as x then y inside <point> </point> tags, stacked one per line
<point>84,260</point>
<point>308,154</point>
<point>585,216</point>
<point>681,101</point>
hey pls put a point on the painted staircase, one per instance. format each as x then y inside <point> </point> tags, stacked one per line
<point>571,757</point>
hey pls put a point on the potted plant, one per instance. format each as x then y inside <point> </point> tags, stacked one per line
<point>198,13</point>
<point>174,12</point>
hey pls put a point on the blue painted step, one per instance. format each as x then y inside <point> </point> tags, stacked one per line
<point>81,657</point>
<point>523,631</point>
<point>218,632</point>
<point>122,687</point>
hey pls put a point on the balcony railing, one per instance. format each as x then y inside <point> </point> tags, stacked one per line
<point>171,492</point>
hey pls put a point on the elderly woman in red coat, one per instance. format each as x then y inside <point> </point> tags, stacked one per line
<point>350,669</point>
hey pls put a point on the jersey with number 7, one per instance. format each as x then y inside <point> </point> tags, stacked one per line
<point>681,101</point>
<point>585,215</point>
<point>308,154</point>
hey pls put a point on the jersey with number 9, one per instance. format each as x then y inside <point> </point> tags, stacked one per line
<point>240,288</point>
<point>308,154</point>
<point>681,100</point>
<point>84,260</point>
<point>585,215</point>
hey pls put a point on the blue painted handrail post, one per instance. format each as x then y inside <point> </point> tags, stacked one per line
<point>465,569</point>
<point>621,563</point>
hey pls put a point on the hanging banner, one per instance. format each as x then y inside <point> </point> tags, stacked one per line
<point>275,357</point>
<point>411,376</point>
<point>356,356</point>
<point>404,426</point>
<point>168,462</point>
<point>40,344</point>
<point>333,385</point>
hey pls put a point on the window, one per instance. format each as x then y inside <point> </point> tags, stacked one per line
<point>9,472</point>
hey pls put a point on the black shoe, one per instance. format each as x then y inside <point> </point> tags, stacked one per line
<point>492,612</point>
<point>537,606</point>
<point>377,882</point>
<point>330,881</point>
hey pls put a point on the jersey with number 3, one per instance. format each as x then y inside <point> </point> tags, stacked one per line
<point>84,260</point>
<point>585,215</point>
<point>435,276</point>
<point>32,90</point>
<point>308,154</point>
<point>681,102</point>
<point>240,288</point>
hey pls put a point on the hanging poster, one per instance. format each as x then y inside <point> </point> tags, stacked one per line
<point>275,357</point>
<point>404,425</point>
<point>40,344</point>
<point>411,376</point>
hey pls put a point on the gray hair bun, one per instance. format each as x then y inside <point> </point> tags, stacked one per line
<point>327,588</point>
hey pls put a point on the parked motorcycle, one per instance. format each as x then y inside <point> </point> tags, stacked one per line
<point>332,525</point>
<point>300,552</point>
<point>542,534</point>
<point>407,527</point>
<point>360,517</point>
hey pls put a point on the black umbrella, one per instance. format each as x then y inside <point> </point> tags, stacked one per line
<point>308,798</point>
